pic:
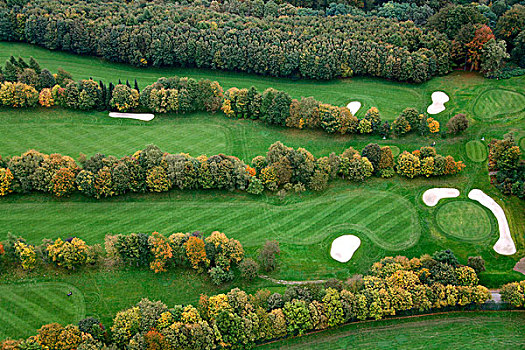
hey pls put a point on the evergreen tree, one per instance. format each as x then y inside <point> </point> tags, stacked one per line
<point>109,94</point>
<point>33,64</point>
<point>101,105</point>
<point>21,63</point>
<point>10,71</point>
<point>137,86</point>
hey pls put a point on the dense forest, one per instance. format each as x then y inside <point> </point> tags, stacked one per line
<point>321,42</point>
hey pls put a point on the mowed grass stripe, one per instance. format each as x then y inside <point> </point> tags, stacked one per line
<point>495,102</point>
<point>10,322</point>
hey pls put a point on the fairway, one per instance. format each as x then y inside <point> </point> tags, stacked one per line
<point>95,132</point>
<point>464,220</point>
<point>498,102</point>
<point>249,221</point>
<point>27,306</point>
<point>476,151</point>
<point>475,330</point>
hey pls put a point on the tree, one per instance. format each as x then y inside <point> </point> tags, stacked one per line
<point>511,23</point>
<point>400,126</point>
<point>466,276</point>
<point>493,54</point>
<point>33,64</point>
<point>11,72</point>
<point>157,179</point>
<point>196,253</point>
<point>6,181</point>
<point>63,182</point>
<point>333,307</point>
<point>45,98</point>
<point>26,254</point>
<point>477,263</point>
<point>249,269</point>
<point>63,78</point>
<point>69,254</point>
<point>46,79</point>
<point>93,326</point>
<point>433,125</point>
<point>125,325</point>
<point>457,124</point>
<point>513,293</point>
<point>161,251</point>
<point>297,317</point>
<point>446,257</point>
<point>124,98</point>
<point>268,255</point>
<point>475,47</point>
<point>408,165</point>
<point>372,152</point>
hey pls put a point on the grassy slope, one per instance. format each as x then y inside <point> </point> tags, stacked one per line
<point>305,224</point>
<point>476,330</point>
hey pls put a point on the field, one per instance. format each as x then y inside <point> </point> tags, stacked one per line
<point>475,330</point>
<point>386,214</point>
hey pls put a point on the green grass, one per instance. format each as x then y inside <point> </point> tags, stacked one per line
<point>522,144</point>
<point>498,102</point>
<point>476,151</point>
<point>25,307</point>
<point>464,220</point>
<point>395,150</point>
<point>386,214</point>
<point>473,330</point>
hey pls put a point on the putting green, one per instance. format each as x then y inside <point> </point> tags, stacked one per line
<point>476,151</point>
<point>28,306</point>
<point>496,102</point>
<point>395,150</point>
<point>464,220</point>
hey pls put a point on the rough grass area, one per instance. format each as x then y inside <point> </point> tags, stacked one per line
<point>465,220</point>
<point>473,330</point>
<point>498,102</point>
<point>476,151</point>
<point>27,306</point>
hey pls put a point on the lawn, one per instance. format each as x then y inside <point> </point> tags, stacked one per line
<point>473,330</point>
<point>25,307</point>
<point>388,215</point>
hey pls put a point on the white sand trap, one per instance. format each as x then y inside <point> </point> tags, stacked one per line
<point>505,244</point>
<point>432,196</point>
<point>354,107</point>
<point>439,98</point>
<point>139,116</point>
<point>344,247</point>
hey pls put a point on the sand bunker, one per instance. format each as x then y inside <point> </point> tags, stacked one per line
<point>439,98</point>
<point>344,247</point>
<point>505,244</point>
<point>354,106</point>
<point>432,196</point>
<point>139,116</point>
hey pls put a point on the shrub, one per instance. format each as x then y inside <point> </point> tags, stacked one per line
<point>268,255</point>
<point>457,124</point>
<point>477,263</point>
<point>249,269</point>
<point>124,98</point>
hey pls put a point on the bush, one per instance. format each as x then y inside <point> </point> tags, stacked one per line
<point>477,263</point>
<point>219,276</point>
<point>457,124</point>
<point>268,255</point>
<point>249,269</point>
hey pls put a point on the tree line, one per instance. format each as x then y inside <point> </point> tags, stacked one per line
<point>237,320</point>
<point>507,166</point>
<point>214,254</point>
<point>152,170</point>
<point>27,85</point>
<point>172,34</point>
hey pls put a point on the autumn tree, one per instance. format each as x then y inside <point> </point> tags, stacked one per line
<point>408,165</point>
<point>124,98</point>
<point>69,254</point>
<point>6,181</point>
<point>161,251</point>
<point>475,47</point>
<point>196,253</point>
